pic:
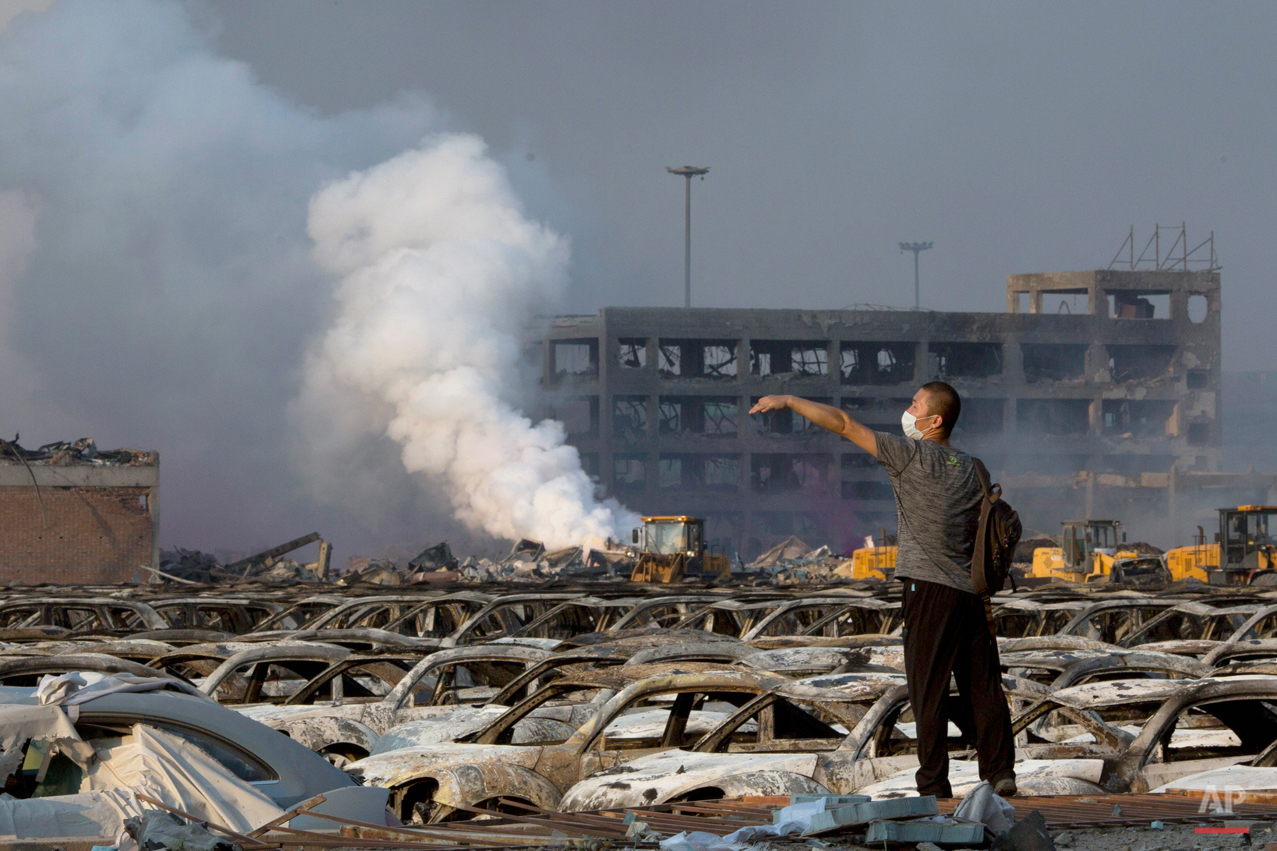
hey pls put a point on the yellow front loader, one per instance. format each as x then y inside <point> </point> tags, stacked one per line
<point>1250,554</point>
<point>1086,553</point>
<point>671,548</point>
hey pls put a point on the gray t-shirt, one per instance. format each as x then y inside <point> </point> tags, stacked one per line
<point>938,509</point>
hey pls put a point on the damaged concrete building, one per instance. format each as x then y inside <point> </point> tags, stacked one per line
<point>71,514</point>
<point>1092,394</point>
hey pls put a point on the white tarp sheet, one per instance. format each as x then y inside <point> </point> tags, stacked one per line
<point>164,767</point>
<point>88,814</point>
<point>147,761</point>
<point>21,723</point>
<point>82,686</point>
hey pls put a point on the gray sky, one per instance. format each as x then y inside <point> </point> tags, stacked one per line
<point>1018,137</point>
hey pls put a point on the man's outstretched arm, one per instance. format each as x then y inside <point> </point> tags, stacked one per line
<point>825,416</point>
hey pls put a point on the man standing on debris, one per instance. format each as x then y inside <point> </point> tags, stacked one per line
<point>945,633</point>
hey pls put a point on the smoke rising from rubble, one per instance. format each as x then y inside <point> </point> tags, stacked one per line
<point>440,268</point>
<point>157,287</point>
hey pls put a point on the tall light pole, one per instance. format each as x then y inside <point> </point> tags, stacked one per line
<point>917,248</point>
<point>688,171</point>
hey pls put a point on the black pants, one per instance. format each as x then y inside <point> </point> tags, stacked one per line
<point>945,633</point>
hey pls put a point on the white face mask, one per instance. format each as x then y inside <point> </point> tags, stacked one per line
<point>910,425</point>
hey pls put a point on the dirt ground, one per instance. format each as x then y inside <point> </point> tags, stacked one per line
<point>1172,837</point>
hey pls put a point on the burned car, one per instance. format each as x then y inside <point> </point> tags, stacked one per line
<point>458,724</point>
<point>789,740</point>
<point>1115,620</point>
<point>1149,732</point>
<point>1018,618</point>
<point>1191,621</point>
<point>436,686</point>
<point>270,673</point>
<point>654,708</point>
<point>27,671</point>
<point>1064,668</point>
<point>165,742</point>
<point>84,616</point>
<point>234,615</point>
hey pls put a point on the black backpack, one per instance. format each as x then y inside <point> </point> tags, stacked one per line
<point>995,542</point>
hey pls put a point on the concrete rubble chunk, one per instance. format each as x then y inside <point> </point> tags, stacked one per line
<point>618,563</point>
<point>155,830</point>
<point>941,829</point>
<point>829,802</point>
<point>191,565</point>
<point>374,573</point>
<point>790,549</point>
<point>564,558</point>
<point>526,551</point>
<point>1027,834</point>
<point>863,813</point>
<point>438,557</point>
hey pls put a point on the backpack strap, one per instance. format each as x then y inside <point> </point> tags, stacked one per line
<point>992,493</point>
<point>982,473</point>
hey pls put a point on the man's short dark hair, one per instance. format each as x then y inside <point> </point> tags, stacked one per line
<point>942,399</point>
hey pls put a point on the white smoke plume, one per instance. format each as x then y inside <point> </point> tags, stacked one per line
<point>439,269</point>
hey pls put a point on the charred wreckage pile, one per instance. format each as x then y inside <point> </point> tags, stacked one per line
<point>693,718</point>
<point>74,453</point>
<point>792,562</point>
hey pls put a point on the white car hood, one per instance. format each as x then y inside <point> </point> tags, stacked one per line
<point>440,728</point>
<point>388,769</point>
<point>272,714</point>
<point>669,773</point>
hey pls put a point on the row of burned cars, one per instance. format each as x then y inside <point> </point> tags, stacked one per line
<point>462,703</point>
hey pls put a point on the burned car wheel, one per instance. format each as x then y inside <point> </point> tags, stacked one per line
<point>342,754</point>
<point>417,802</point>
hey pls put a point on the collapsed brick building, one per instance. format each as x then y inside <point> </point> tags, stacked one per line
<point>1095,394</point>
<point>72,514</point>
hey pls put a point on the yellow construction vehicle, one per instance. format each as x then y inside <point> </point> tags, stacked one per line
<point>1086,553</point>
<point>870,561</point>
<point>1196,561</point>
<point>1250,554</point>
<point>671,548</point>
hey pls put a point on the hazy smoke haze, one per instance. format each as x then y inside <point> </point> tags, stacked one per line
<point>158,286</point>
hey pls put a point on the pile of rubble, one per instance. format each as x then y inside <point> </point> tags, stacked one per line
<point>1143,548</point>
<point>69,454</point>
<point>1029,543</point>
<point>793,562</point>
<point>790,563</point>
<point>528,561</point>
<point>193,567</point>
<point>200,568</point>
